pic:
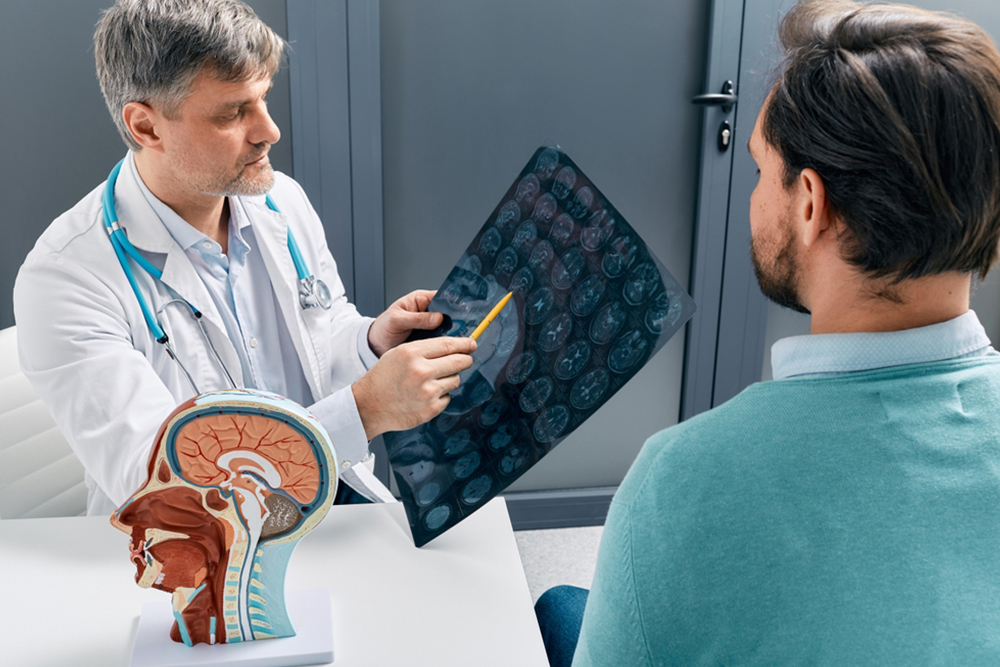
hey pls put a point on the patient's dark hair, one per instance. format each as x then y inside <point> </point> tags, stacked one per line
<point>898,110</point>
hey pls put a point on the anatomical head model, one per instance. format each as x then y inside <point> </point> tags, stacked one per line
<point>236,478</point>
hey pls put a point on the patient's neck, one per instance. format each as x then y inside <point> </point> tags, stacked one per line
<point>866,305</point>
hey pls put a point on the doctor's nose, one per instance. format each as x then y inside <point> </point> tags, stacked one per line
<point>264,130</point>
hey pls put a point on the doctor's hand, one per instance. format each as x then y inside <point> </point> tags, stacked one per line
<point>406,314</point>
<point>410,383</point>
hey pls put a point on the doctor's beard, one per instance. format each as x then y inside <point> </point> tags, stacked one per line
<point>251,180</point>
<point>245,185</point>
<point>243,180</point>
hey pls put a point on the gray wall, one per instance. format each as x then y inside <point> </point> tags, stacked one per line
<point>58,139</point>
<point>470,88</point>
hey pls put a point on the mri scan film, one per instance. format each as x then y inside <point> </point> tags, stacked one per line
<point>591,305</point>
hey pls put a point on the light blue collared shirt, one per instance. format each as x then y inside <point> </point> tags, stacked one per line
<point>240,288</point>
<point>831,354</point>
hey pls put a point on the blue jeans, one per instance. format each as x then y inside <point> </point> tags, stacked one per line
<point>560,614</point>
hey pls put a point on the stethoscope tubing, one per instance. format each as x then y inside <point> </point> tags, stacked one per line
<point>124,250</point>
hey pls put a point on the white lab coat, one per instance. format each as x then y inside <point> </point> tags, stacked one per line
<point>87,351</point>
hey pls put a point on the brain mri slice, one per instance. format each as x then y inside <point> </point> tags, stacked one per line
<point>598,230</point>
<point>589,389</point>
<point>466,465</point>
<point>437,517</point>
<point>475,490</point>
<point>620,257</point>
<point>535,393</point>
<point>641,283</point>
<point>527,190</point>
<point>521,366</point>
<point>656,315</point>
<point>522,281</point>
<point>428,493</point>
<point>492,413</point>
<point>544,209</point>
<point>525,237</point>
<point>581,202</point>
<point>607,322</point>
<point>565,180</point>
<point>555,332</point>
<point>551,423</point>
<point>567,269</point>
<point>506,263</point>
<point>508,217</point>
<point>572,360</point>
<point>562,230</point>
<point>628,351</point>
<point>541,257</point>
<point>490,243</point>
<point>503,436</point>
<point>587,295</point>
<point>538,305</point>
<point>546,164</point>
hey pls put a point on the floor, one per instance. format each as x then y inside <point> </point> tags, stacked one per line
<point>558,556</point>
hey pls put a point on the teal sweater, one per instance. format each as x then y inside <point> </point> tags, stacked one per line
<point>840,520</point>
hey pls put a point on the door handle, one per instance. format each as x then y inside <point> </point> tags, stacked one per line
<point>726,99</point>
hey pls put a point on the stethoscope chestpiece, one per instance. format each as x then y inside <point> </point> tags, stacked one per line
<point>314,292</point>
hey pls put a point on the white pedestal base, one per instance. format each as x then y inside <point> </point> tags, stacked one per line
<point>312,644</point>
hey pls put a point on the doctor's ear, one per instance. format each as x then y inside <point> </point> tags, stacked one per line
<point>141,121</point>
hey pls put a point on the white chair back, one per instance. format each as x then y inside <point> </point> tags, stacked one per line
<point>40,476</point>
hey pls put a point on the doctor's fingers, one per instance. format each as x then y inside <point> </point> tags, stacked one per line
<point>451,365</point>
<point>417,299</point>
<point>404,320</point>
<point>448,384</point>
<point>431,348</point>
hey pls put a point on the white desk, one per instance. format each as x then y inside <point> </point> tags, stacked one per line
<point>68,597</point>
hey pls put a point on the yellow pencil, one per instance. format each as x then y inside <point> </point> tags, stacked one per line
<point>489,318</point>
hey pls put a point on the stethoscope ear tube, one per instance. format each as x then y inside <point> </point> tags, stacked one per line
<point>151,322</point>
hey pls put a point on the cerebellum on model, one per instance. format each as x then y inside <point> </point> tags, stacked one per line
<point>236,479</point>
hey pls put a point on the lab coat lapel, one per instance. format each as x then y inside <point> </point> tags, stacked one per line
<point>271,230</point>
<point>147,233</point>
<point>180,275</point>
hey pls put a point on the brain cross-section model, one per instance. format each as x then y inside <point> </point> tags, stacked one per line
<point>236,478</point>
<point>211,451</point>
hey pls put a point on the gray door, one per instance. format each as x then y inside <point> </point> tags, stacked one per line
<point>986,296</point>
<point>470,88</point>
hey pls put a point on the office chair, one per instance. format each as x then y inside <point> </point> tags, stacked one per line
<point>40,476</point>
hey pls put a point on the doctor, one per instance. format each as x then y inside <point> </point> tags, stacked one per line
<point>208,294</point>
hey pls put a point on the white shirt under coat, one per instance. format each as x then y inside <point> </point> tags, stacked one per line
<point>87,351</point>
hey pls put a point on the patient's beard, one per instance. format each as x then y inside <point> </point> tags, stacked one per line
<point>779,280</point>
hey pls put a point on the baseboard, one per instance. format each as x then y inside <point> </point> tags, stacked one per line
<point>565,508</point>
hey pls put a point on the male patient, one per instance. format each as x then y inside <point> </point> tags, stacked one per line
<point>847,513</point>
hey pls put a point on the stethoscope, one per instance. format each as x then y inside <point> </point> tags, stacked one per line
<point>312,291</point>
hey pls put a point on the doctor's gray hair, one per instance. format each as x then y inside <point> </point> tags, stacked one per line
<point>150,51</point>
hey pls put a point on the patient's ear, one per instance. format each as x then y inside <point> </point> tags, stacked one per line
<point>810,207</point>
